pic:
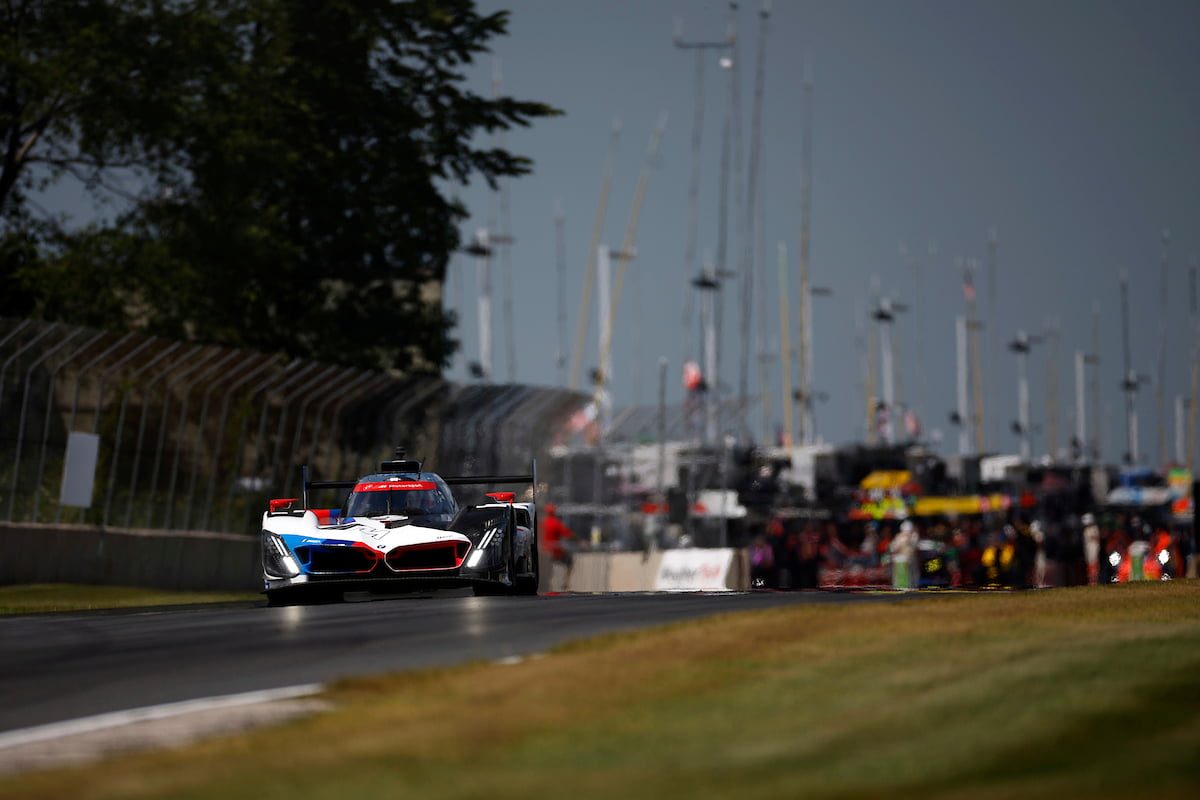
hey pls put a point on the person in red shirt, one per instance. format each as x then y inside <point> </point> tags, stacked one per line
<point>554,532</point>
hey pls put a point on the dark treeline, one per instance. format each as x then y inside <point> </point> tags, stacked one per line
<point>272,172</point>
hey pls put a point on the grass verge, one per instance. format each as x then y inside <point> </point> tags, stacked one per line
<point>1071,693</point>
<point>34,598</point>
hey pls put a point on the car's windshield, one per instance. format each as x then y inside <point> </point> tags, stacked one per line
<point>401,498</point>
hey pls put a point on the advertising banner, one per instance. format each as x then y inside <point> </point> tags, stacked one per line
<point>694,570</point>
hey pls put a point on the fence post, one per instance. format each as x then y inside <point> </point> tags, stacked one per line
<point>137,448</point>
<point>198,454</point>
<point>112,466</point>
<point>330,389</point>
<point>12,489</point>
<point>187,390</point>
<point>240,448</point>
<point>75,397</point>
<point>104,376</point>
<point>190,371</point>
<point>41,470</point>
<point>18,352</point>
<point>414,397</point>
<point>216,459</point>
<point>337,401</point>
<point>364,391</point>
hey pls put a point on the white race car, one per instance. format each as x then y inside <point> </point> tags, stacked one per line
<point>400,529</point>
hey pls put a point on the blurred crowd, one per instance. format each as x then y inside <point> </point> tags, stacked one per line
<point>979,552</point>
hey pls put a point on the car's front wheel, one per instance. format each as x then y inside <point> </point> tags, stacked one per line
<point>528,585</point>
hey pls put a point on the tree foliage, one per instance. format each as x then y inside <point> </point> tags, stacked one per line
<point>292,161</point>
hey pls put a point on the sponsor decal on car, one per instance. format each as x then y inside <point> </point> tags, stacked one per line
<point>396,486</point>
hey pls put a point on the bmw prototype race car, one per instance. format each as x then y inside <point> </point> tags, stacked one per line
<point>399,530</point>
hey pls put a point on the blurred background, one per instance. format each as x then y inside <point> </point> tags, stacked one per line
<point>714,264</point>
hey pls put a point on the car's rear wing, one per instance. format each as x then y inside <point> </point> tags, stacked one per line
<point>457,480</point>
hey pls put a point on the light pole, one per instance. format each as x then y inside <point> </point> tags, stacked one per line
<point>701,49</point>
<point>482,248</point>
<point>707,284</point>
<point>885,314</point>
<point>1021,346</point>
<point>808,423</point>
<point>1131,382</point>
<point>959,417</point>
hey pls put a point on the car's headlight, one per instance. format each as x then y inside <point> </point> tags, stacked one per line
<point>277,559</point>
<point>480,554</point>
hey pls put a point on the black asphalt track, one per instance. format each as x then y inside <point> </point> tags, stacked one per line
<point>63,666</point>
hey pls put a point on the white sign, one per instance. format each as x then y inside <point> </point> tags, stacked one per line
<point>694,570</point>
<point>79,471</point>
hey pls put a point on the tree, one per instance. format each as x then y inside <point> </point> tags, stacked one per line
<point>303,205</point>
<point>94,92</point>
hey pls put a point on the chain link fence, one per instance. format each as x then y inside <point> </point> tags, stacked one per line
<point>198,437</point>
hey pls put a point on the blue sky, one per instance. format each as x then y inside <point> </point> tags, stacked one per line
<point>1072,127</point>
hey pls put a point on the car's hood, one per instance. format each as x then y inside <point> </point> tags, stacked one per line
<point>379,533</point>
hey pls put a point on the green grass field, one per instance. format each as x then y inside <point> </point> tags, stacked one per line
<point>1069,693</point>
<point>34,598</point>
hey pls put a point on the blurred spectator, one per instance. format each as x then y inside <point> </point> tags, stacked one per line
<point>762,563</point>
<point>904,556</point>
<point>553,535</point>
<point>1091,548</point>
<point>1038,577</point>
<point>781,577</point>
<point>870,545</point>
<point>808,557</point>
<point>1026,555</point>
<point>998,563</point>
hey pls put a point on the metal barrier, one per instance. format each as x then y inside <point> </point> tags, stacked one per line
<point>199,436</point>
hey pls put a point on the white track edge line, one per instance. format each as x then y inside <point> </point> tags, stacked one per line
<point>113,719</point>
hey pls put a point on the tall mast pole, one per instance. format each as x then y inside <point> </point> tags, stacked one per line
<point>1179,425</point>
<point>871,397</point>
<point>604,319</point>
<point>629,242</point>
<point>749,264</point>
<point>1021,346</point>
<point>993,293</point>
<point>589,277</point>
<point>1194,400</point>
<point>1160,393</point>
<point>1080,405</point>
<point>1130,383</point>
<point>960,340</point>
<point>503,229</point>
<point>706,283</point>
<point>560,252</point>
<point>760,260</point>
<point>804,323</point>
<point>723,271</point>
<point>483,251</point>
<point>785,352</point>
<point>1052,405</point>
<point>889,381</point>
<point>690,266</point>
<point>1094,389</point>
<point>973,328</point>
<point>739,199</point>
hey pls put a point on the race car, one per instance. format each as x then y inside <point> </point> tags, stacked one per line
<point>400,529</point>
